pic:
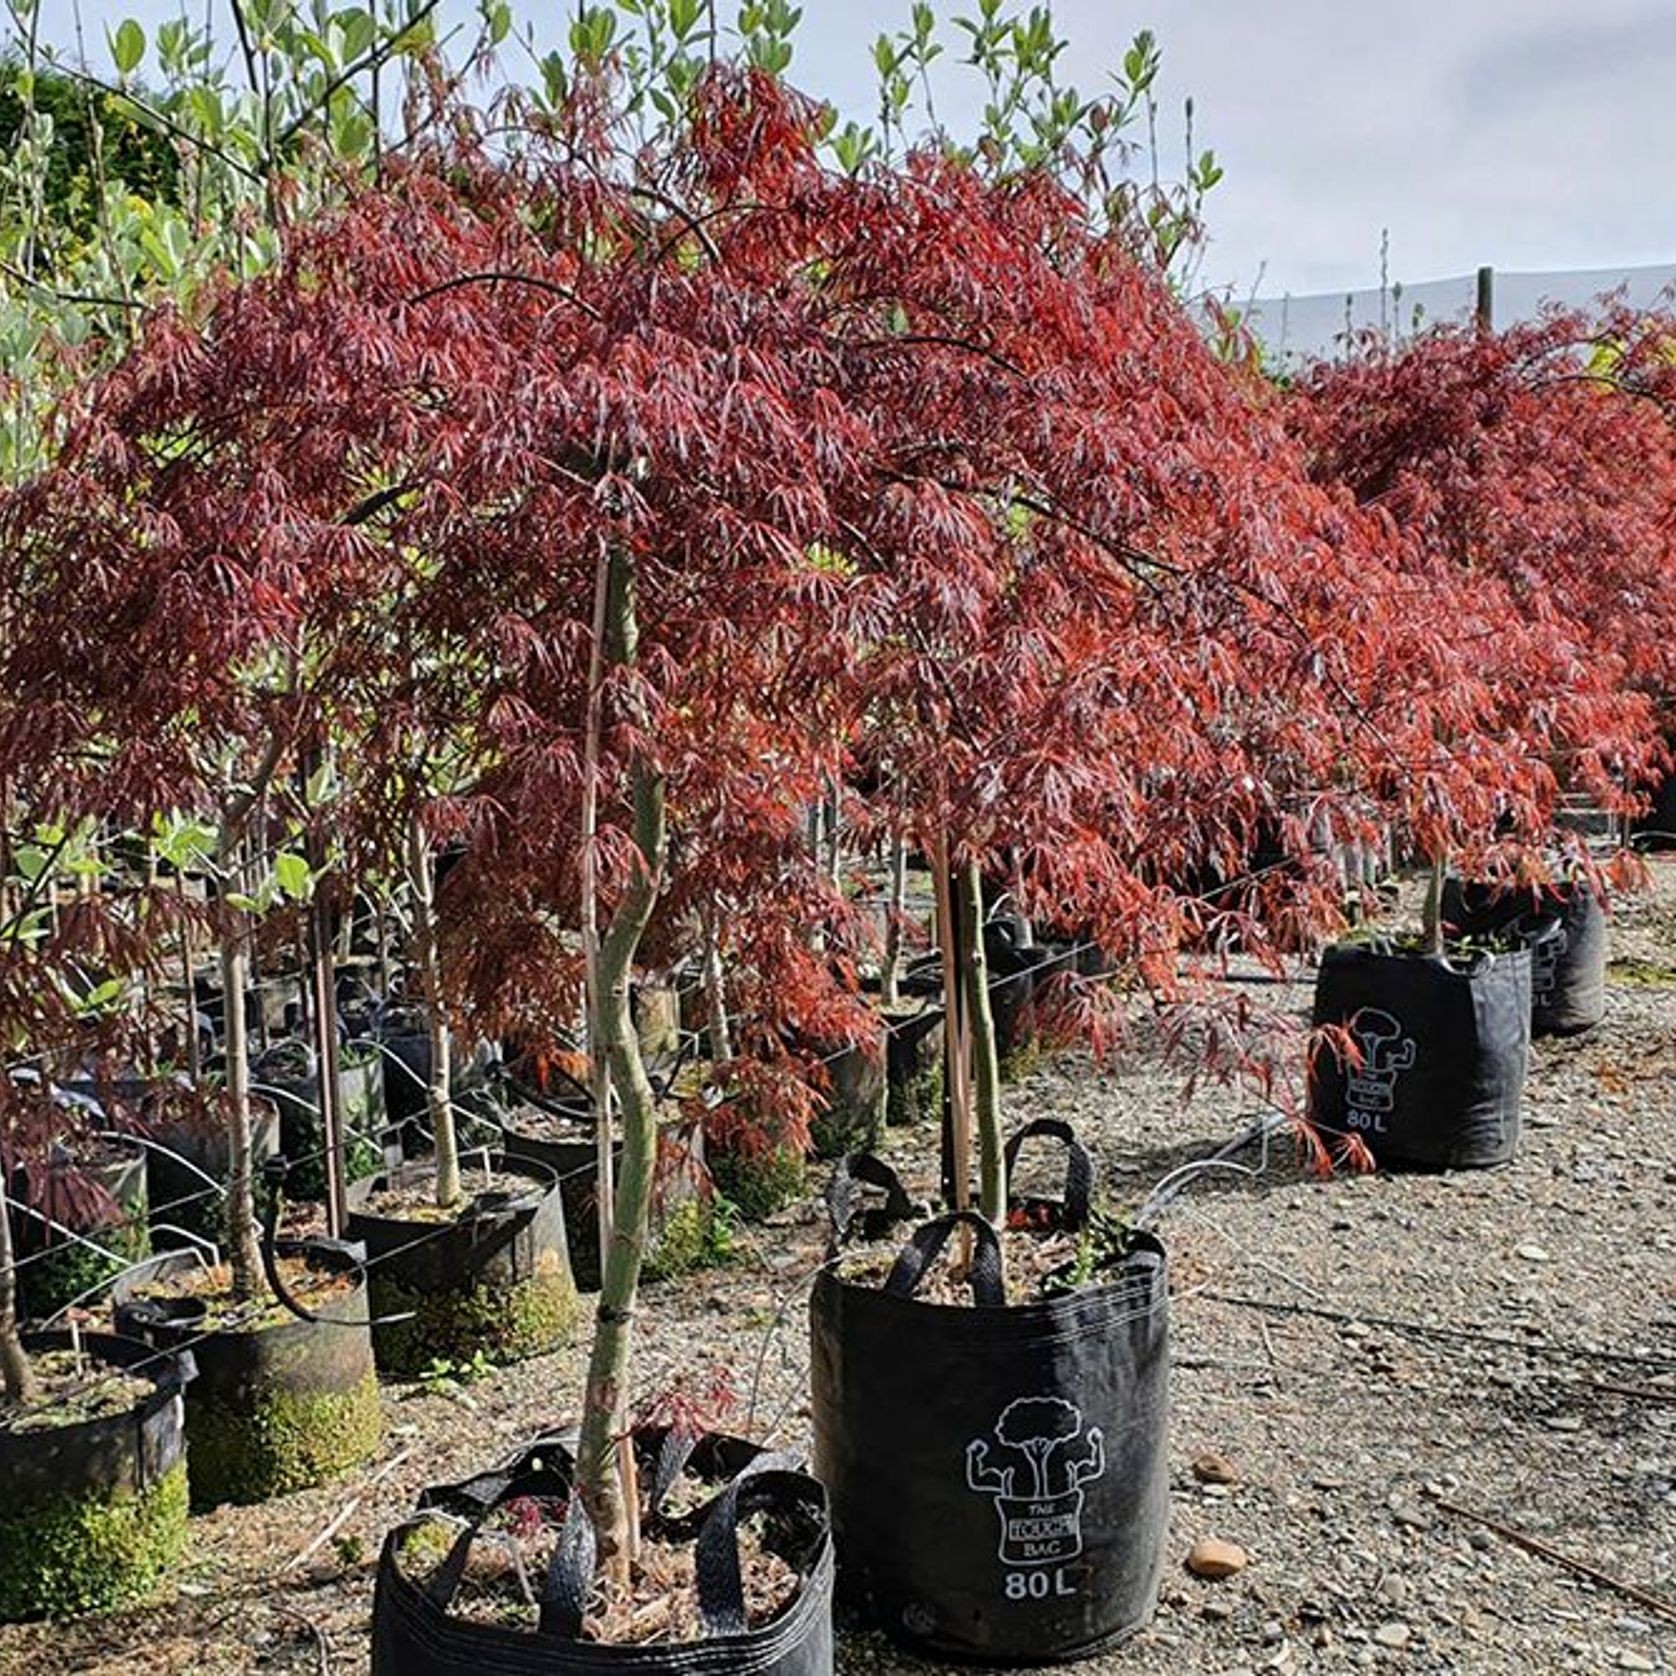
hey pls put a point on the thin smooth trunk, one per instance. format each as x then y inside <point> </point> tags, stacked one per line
<point>1433,919</point>
<point>604,1130</point>
<point>833,832</point>
<point>890,979</point>
<point>17,1377</point>
<point>242,1254</point>
<point>957,1044</point>
<point>317,951</point>
<point>439,1103</point>
<point>715,995</point>
<point>194,1065</point>
<point>986,1065</point>
<point>603,1479</point>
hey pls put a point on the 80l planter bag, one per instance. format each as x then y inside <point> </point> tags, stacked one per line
<point>1440,1049</point>
<point>1564,927</point>
<point>998,1476</point>
<point>416,1632</point>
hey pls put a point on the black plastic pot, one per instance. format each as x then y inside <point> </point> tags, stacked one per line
<point>998,1475</point>
<point>302,1134</point>
<point>914,1065</point>
<point>494,1280</point>
<point>415,1635</point>
<point>278,1406</point>
<point>94,1513</point>
<point>851,1117</point>
<point>57,1270</point>
<point>678,1191</point>
<point>407,1073</point>
<point>1563,926</point>
<point>185,1151</point>
<point>1441,1051</point>
<point>1014,971</point>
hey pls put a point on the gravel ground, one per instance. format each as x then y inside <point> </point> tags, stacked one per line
<point>1361,1350</point>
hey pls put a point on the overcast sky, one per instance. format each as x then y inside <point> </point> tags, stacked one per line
<point>1528,134</point>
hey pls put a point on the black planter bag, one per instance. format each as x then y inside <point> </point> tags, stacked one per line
<point>1444,1049</point>
<point>998,1474</point>
<point>1564,927</point>
<point>414,1635</point>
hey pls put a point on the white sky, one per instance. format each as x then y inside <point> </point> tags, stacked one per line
<point>1527,134</point>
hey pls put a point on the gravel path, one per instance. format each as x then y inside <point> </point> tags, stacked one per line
<point>1361,1350</point>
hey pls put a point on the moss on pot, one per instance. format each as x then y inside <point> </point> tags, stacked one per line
<point>276,1440</point>
<point>761,1184</point>
<point>917,1099</point>
<point>504,1323</point>
<point>1022,1060</point>
<point>69,1270</point>
<point>92,1551</point>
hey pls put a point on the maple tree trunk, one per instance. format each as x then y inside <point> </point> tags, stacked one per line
<point>1433,915</point>
<point>194,1065</point>
<point>17,1377</point>
<point>956,1052</point>
<point>599,1070</point>
<point>715,996</point>
<point>242,1254</point>
<point>985,1060</point>
<point>890,977</point>
<point>599,1461</point>
<point>439,1104</point>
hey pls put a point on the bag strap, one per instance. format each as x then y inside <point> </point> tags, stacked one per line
<point>926,1246</point>
<point>570,1575</point>
<point>488,1491</point>
<point>842,1210</point>
<point>1079,1169</point>
<point>677,1449</point>
<point>769,1482</point>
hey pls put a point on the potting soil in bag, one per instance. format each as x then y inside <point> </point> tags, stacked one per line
<point>997,1473</point>
<point>1441,1052</point>
<point>1564,926</point>
<point>416,1634</point>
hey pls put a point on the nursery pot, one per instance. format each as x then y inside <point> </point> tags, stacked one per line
<point>1442,1048</point>
<point>678,1186</point>
<point>998,1477</point>
<point>914,1065</point>
<point>1563,926</point>
<point>94,1512</point>
<point>851,1117</point>
<point>302,1133</point>
<point>1014,971</point>
<point>186,1150</point>
<point>415,1633</point>
<point>56,1269</point>
<point>493,1279</point>
<point>407,1074</point>
<point>279,1405</point>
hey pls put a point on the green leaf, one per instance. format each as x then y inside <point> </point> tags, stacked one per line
<point>30,862</point>
<point>127,46</point>
<point>293,874</point>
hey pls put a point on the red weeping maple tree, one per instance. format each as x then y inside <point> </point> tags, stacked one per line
<point>1529,492</point>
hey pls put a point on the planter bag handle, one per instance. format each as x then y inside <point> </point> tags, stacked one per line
<point>924,1248</point>
<point>770,1481</point>
<point>842,1211</point>
<point>674,1453</point>
<point>1072,1212</point>
<point>721,1597</point>
<point>570,1576</point>
<point>491,1490</point>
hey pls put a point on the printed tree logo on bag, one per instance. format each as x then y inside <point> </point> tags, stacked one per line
<point>1037,1487</point>
<point>1370,1088</point>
